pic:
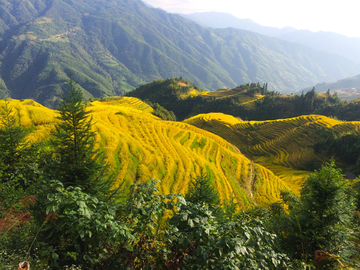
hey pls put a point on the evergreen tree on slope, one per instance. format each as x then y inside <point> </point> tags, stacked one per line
<point>77,162</point>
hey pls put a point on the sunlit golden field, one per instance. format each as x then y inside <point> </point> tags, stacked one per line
<point>245,99</point>
<point>38,118</point>
<point>140,146</point>
<point>129,102</point>
<point>279,145</point>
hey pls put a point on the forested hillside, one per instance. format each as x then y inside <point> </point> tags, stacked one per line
<point>249,101</point>
<point>113,46</point>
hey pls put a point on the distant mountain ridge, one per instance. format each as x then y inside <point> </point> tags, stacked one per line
<point>347,47</point>
<point>346,89</point>
<point>113,46</point>
<point>224,20</point>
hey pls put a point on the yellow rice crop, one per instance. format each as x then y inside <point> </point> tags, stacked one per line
<point>279,145</point>
<point>140,146</point>
<point>240,94</point>
<point>31,114</point>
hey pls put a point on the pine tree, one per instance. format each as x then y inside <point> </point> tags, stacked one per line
<point>77,162</point>
<point>326,214</point>
<point>322,219</point>
<point>12,135</point>
<point>328,93</point>
<point>17,160</point>
<point>202,191</point>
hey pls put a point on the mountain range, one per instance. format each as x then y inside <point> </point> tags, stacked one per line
<point>346,89</point>
<point>347,47</point>
<point>215,19</point>
<point>112,46</point>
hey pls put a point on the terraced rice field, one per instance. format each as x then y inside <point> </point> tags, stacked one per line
<point>140,146</point>
<point>129,102</point>
<point>279,145</point>
<point>242,97</point>
<point>31,114</point>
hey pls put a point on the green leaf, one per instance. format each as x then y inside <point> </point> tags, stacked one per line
<point>218,252</point>
<point>81,204</point>
<point>191,223</point>
<point>55,256</point>
<point>185,242</point>
<point>170,205</point>
<point>129,247</point>
<point>85,212</point>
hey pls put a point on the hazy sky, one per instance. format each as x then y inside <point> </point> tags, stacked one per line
<point>316,15</point>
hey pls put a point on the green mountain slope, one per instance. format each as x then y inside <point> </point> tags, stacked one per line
<point>113,46</point>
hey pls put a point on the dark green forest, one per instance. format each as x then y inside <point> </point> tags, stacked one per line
<point>56,211</point>
<point>345,149</point>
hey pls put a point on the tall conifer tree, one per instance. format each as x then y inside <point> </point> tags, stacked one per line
<point>201,190</point>
<point>12,135</point>
<point>77,162</point>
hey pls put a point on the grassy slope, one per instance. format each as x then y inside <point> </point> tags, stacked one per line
<point>283,145</point>
<point>140,146</point>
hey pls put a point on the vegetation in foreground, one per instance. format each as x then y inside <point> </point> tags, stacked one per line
<point>71,216</point>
